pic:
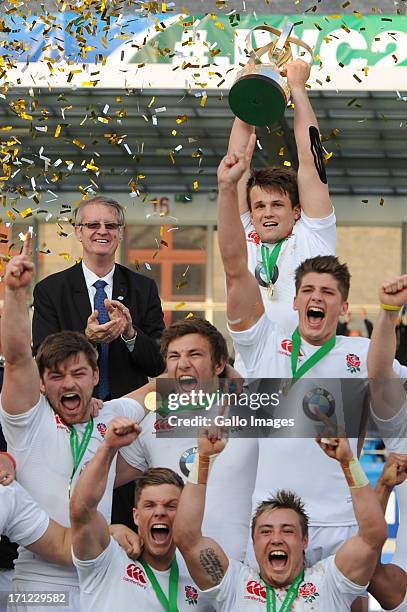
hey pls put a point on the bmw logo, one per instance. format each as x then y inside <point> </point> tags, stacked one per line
<point>318,399</point>
<point>187,459</point>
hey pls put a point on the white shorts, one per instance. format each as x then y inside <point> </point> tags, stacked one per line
<point>6,577</point>
<point>27,586</point>
<point>322,542</point>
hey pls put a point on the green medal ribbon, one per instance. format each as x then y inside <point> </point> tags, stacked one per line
<point>269,259</point>
<point>169,604</point>
<point>78,450</point>
<point>289,598</point>
<point>307,365</point>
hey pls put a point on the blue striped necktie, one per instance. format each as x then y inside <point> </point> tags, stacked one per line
<point>103,317</point>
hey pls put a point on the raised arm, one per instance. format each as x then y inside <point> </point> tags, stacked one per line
<point>55,545</point>
<point>394,473</point>
<point>312,182</point>
<point>238,141</point>
<point>386,387</point>
<point>90,531</point>
<point>358,556</point>
<point>205,559</point>
<point>21,384</point>
<point>244,303</point>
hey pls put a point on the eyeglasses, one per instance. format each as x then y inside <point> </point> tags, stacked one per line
<point>96,225</point>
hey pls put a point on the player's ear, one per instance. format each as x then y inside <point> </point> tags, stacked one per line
<point>297,212</point>
<point>344,308</point>
<point>220,366</point>
<point>78,233</point>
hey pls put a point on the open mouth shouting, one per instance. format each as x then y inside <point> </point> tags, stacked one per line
<point>160,533</point>
<point>278,560</point>
<point>71,400</point>
<point>187,382</point>
<point>315,316</point>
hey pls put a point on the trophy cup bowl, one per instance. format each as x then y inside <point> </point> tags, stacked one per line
<point>260,95</point>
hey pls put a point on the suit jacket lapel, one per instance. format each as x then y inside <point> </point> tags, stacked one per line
<point>80,294</point>
<point>120,286</point>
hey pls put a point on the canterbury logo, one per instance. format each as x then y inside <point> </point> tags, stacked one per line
<point>256,588</point>
<point>253,237</point>
<point>136,573</point>
<point>287,347</point>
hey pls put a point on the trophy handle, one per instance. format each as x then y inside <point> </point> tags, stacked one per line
<point>278,46</point>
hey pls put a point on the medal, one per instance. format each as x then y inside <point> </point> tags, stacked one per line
<point>269,261</point>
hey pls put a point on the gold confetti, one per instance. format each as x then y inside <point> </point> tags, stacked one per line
<point>78,143</point>
<point>189,315</point>
<point>26,213</point>
<point>287,163</point>
<point>179,306</point>
<point>281,151</point>
<point>65,255</point>
<point>6,128</point>
<point>181,284</point>
<point>381,202</point>
<point>203,100</point>
<point>196,185</point>
<point>58,130</point>
<point>181,119</point>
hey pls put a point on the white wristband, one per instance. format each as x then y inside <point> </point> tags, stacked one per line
<point>200,469</point>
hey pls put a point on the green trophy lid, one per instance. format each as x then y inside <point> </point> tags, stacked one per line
<point>257,100</point>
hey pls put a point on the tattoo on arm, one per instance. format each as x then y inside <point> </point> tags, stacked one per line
<point>211,564</point>
<point>317,153</point>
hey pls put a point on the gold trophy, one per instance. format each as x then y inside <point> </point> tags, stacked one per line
<point>260,95</point>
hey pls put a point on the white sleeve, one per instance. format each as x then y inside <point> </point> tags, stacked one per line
<point>26,521</point>
<point>339,585</point>
<point>246,220</point>
<point>92,572</point>
<point>223,596</point>
<point>400,370</point>
<point>251,343</point>
<point>128,407</point>
<point>394,430</point>
<point>20,429</point>
<point>320,234</point>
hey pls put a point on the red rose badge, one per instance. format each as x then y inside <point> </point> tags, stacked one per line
<point>353,363</point>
